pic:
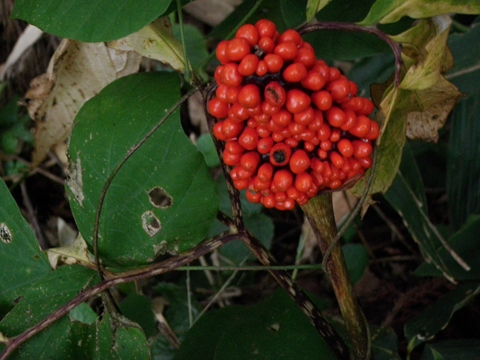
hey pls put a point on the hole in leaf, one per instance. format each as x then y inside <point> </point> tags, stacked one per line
<point>150,223</point>
<point>5,234</point>
<point>160,198</point>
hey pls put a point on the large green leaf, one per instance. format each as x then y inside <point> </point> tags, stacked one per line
<point>45,296</point>
<point>22,262</point>
<point>91,20</point>
<point>388,11</point>
<point>109,338</point>
<point>466,72</point>
<point>275,329</point>
<point>437,315</point>
<point>464,349</point>
<point>342,45</point>
<point>465,243</point>
<point>407,197</point>
<point>163,198</point>
<point>463,167</point>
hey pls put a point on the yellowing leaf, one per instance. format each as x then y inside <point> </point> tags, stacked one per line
<point>418,108</point>
<point>314,6</point>
<point>155,41</point>
<point>76,73</point>
<point>389,11</point>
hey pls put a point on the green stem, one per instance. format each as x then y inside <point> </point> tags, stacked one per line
<point>182,36</point>
<point>319,211</point>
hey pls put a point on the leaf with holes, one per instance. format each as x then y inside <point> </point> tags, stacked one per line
<point>163,198</point>
<point>90,21</point>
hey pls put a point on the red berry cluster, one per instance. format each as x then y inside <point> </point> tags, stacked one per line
<point>292,125</point>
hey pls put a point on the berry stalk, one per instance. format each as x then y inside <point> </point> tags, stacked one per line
<point>319,211</point>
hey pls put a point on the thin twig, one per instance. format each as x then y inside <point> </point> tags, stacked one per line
<point>32,216</point>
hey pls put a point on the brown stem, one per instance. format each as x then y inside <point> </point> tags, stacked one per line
<point>319,211</point>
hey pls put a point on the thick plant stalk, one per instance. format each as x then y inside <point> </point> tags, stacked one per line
<point>319,211</point>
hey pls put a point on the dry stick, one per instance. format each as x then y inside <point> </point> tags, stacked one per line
<point>121,278</point>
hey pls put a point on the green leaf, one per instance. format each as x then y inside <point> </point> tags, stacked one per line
<point>463,167</point>
<point>137,308</point>
<point>407,197</point>
<point>91,20</point>
<point>465,243</point>
<point>84,314</point>
<point>207,148</point>
<point>293,12</point>
<point>163,198</point>
<point>342,45</point>
<point>275,329</point>
<point>464,349</point>
<point>109,338</point>
<point>45,296</point>
<point>437,315</point>
<point>356,257</point>
<point>22,262</point>
<point>465,73</point>
<point>389,11</point>
<point>314,6</point>
<point>385,345</point>
<point>195,43</point>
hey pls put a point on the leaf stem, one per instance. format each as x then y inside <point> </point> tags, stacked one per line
<point>397,51</point>
<point>319,211</point>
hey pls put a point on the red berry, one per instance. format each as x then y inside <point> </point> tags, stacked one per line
<point>218,108</point>
<point>248,32</point>
<point>237,49</point>
<point>250,160</point>
<point>248,65</point>
<point>345,147</point>
<point>233,147</point>
<point>231,159</point>
<point>361,149</point>
<point>374,131</point>
<point>266,44</point>
<point>287,50</point>
<point>231,128</point>
<point>280,154</point>
<point>266,28</point>
<point>313,81</point>
<point>299,162</point>
<point>253,197</point>
<point>336,159</point>
<point>249,96</point>
<point>295,72</point>
<point>335,116</point>
<point>262,68</point>
<point>274,63</point>
<point>322,100</point>
<point>264,145</point>
<point>248,139</point>
<point>297,101</point>
<point>282,180</point>
<point>230,75</point>
<point>268,201</point>
<point>221,52</point>
<point>291,35</point>
<point>305,56</point>
<point>275,94</point>
<point>303,182</point>
<point>339,89</point>
<point>282,118</point>
<point>362,127</point>
<point>265,172</point>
